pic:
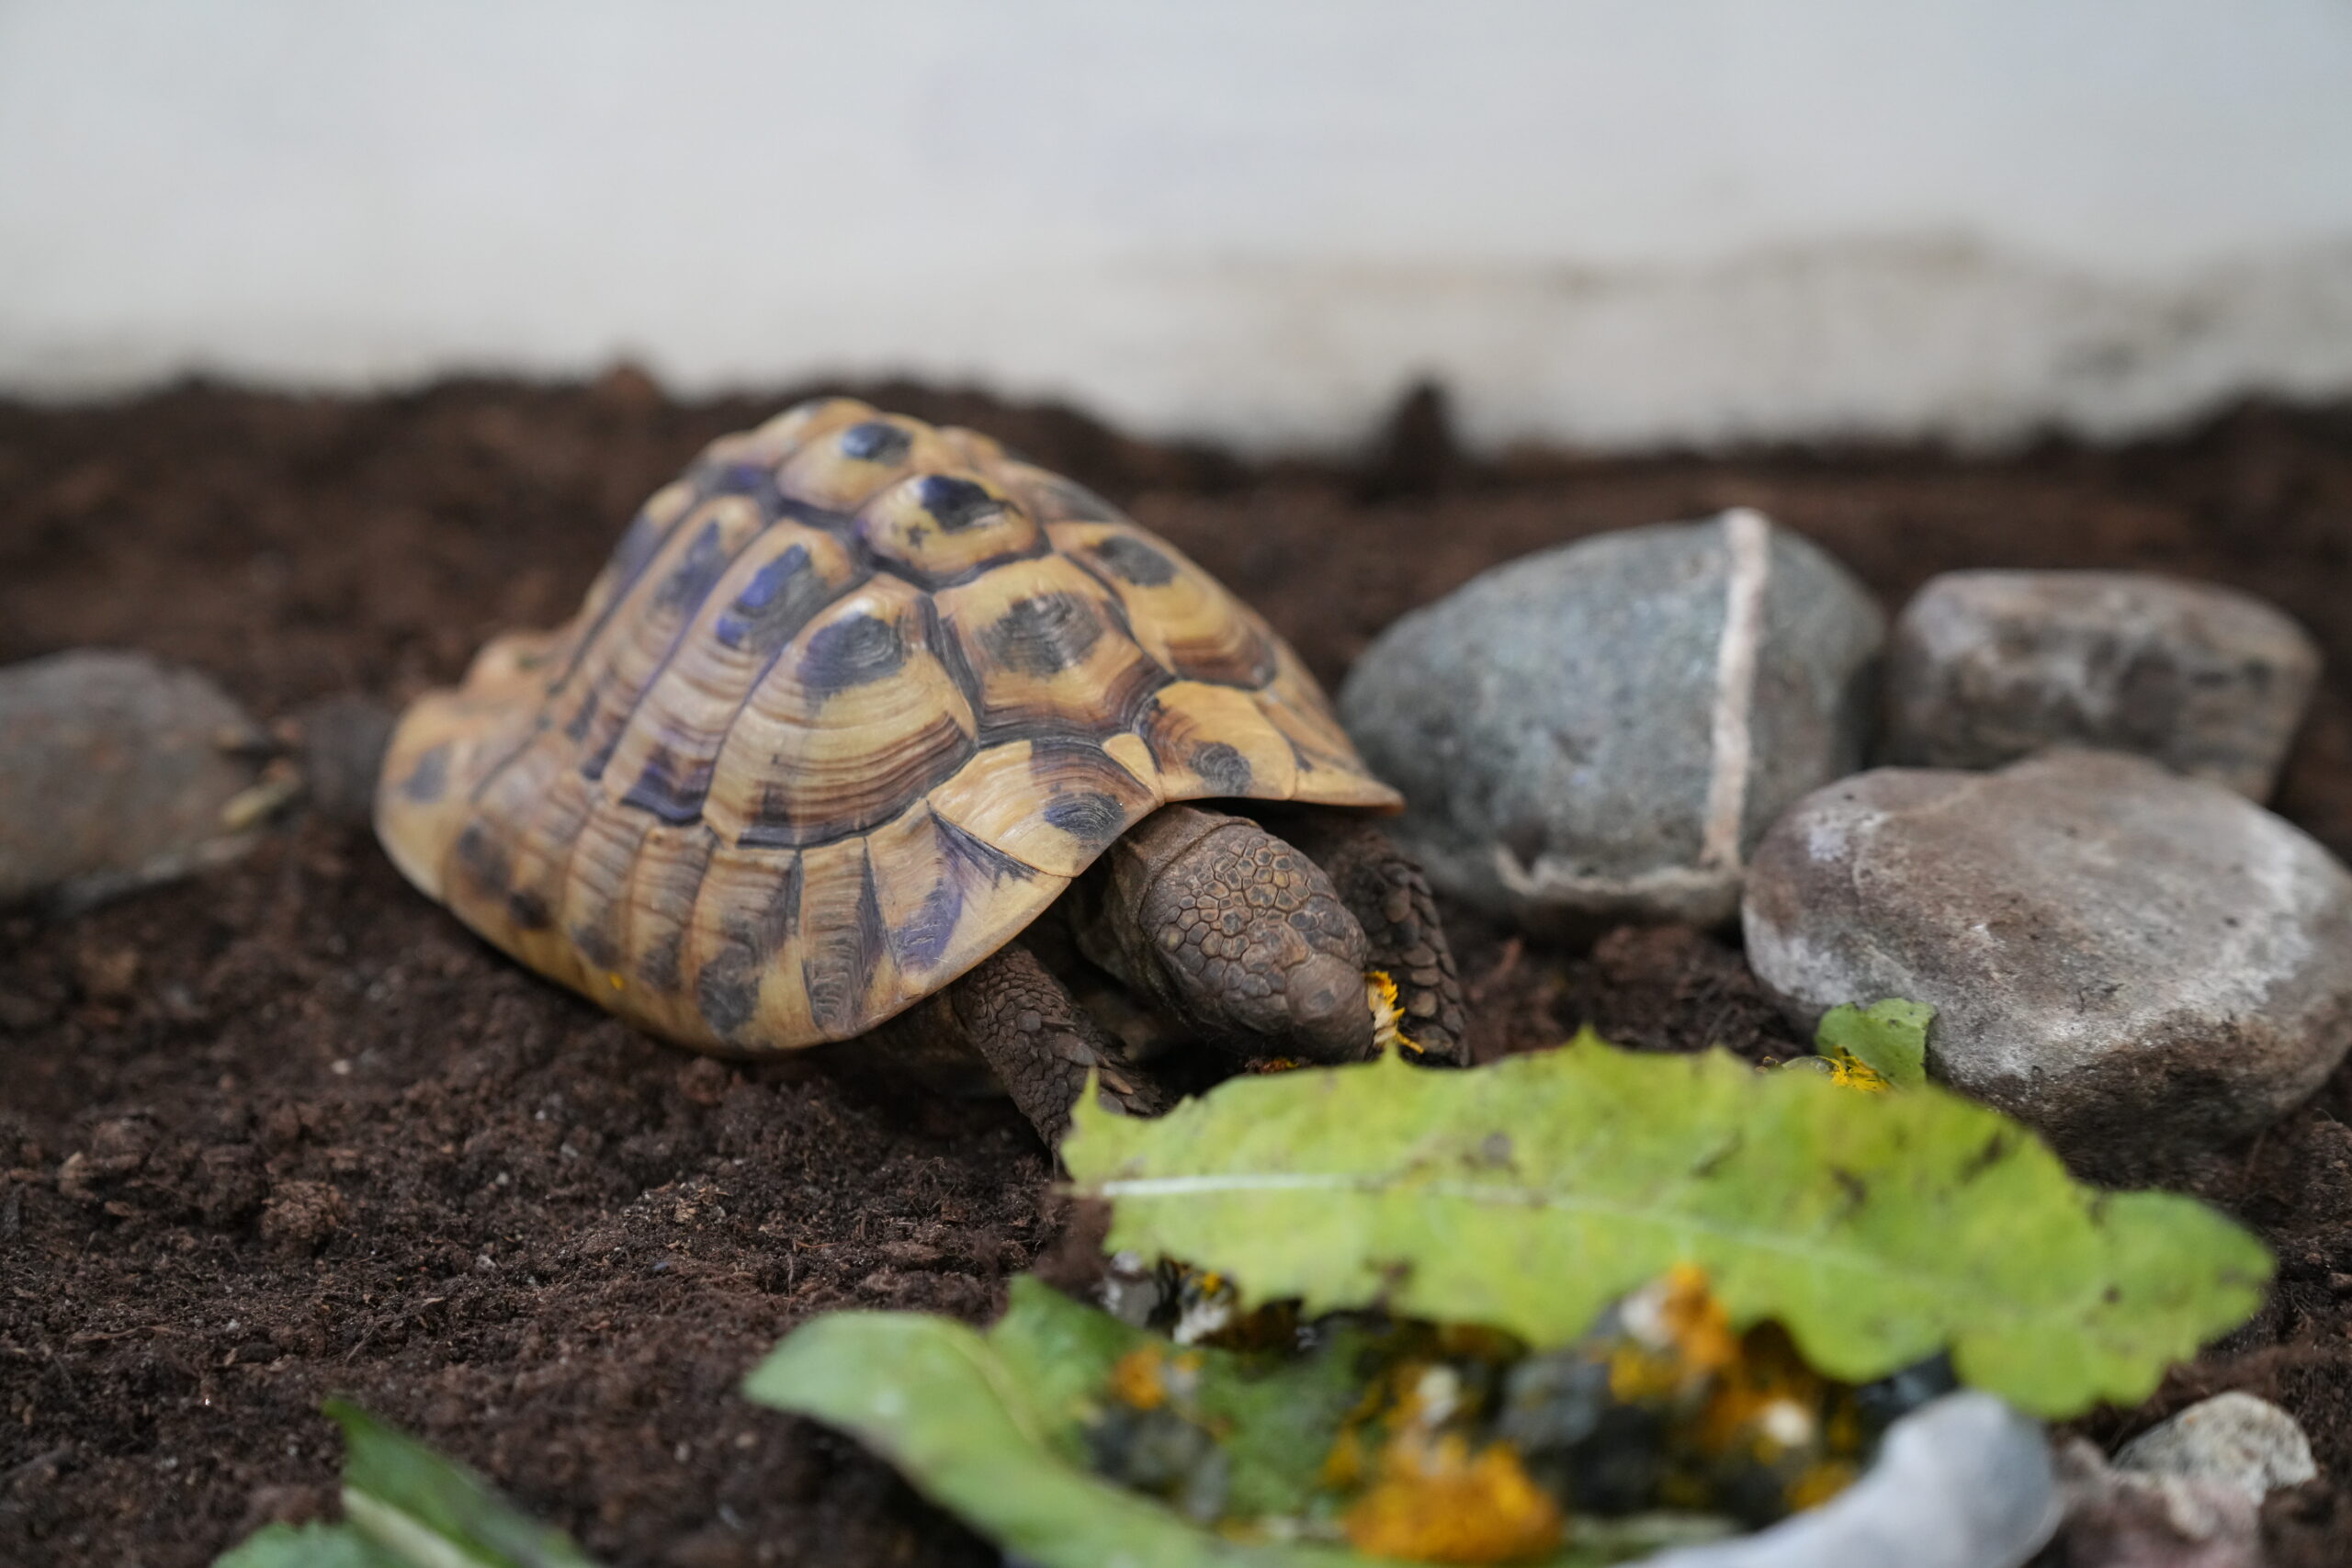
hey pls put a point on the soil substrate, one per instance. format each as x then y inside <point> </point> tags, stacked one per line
<point>331,1142</point>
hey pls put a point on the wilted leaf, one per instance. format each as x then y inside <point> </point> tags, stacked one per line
<point>1889,1037</point>
<point>1877,1229</point>
<point>989,1425</point>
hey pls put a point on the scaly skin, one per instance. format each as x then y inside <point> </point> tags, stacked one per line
<point>1234,932</point>
<point>1035,1037</point>
<point>1240,938</point>
<point>1390,897</point>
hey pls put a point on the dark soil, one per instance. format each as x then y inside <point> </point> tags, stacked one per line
<point>288,1130</point>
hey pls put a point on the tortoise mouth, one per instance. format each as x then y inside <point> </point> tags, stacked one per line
<point>1330,1016</point>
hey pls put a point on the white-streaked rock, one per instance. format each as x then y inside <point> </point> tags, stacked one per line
<point>1599,732</point>
<point>2138,964</point>
<point>1986,667</point>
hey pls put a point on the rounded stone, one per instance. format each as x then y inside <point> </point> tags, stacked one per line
<point>2137,964</point>
<point>117,771</point>
<point>1599,732</point>
<point>2232,1439</point>
<point>1986,667</point>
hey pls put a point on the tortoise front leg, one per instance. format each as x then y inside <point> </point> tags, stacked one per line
<point>1041,1044</point>
<point>1385,890</point>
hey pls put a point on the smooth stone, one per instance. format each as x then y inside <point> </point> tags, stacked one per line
<point>118,771</point>
<point>2232,1439</point>
<point>1986,667</point>
<point>1598,733</point>
<point>2137,964</point>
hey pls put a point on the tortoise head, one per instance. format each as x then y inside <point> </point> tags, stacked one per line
<point>1236,932</point>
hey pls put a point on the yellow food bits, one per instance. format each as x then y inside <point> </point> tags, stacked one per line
<point>1845,1070</point>
<point>1438,1502</point>
<point>1765,1404</point>
<point>1344,1466</point>
<point>1678,1336</point>
<point>1138,1378</point>
<point>1820,1481</point>
<point>1387,1017</point>
<point>1460,1443</point>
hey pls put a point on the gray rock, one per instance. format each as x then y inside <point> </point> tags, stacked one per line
<point>2232,1439</point>
<point>1986,667</point>
<point>1599,732</point>
<point>2138,964</point>
<point>117,772</point>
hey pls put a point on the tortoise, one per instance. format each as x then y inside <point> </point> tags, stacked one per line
<point>870,729</point>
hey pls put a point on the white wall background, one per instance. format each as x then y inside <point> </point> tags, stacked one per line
<point>1607,221</point>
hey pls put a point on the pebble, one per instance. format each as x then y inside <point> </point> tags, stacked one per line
<point>2121,1518</point>
<point>1598,733</point>
<point>1986,667</point>
<point>2137,964</point>
<point>118,771</point>
<point>2232,1439</point>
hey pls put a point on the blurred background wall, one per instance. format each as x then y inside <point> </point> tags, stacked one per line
<point>1622,223</point>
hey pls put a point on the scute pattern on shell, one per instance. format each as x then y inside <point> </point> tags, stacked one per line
<point>853,701</point>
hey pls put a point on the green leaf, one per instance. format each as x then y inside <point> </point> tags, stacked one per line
<point>1065,1353</point>
<point>988,1426</point>
<point>1282,1421</point>
<point>429,1512</point>
<point>1889,1037</point>
<point>1877,1228</point>
<point>309,1546</point>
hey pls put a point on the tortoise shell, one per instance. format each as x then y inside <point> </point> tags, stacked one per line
<point>853,701</point>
